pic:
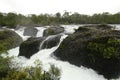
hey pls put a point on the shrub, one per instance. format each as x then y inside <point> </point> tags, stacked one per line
<point>28,73</point>
<point>108,50</point>
<point>50,31</point>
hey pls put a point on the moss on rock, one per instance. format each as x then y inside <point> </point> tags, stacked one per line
<point>96,47</point>
<point>9,39</point>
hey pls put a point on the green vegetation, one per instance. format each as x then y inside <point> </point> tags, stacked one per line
<point>29,73</point>
<point>13,71</point>
<point>4,68</point>
<point>108,50</point>
<point>2,48</point>
<point>13,19</point>
<point>50,31</point>
<point>10,70</point>
<point>8,40</point>
<point>62,46</point>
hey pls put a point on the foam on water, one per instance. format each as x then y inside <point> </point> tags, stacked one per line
<point>69,71</point>
<point>40,31</point>
<point>70,28</point>
<point>20,33</point>
<point>117,26</point>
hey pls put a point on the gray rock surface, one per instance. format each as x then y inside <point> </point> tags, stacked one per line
<point>53,30</point>
<point>30,31</point>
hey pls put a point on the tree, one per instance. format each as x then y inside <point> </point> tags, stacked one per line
<point>11,20</point>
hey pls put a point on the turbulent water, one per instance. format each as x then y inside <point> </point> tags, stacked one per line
<point>49,37</point>
<point>69,71</point>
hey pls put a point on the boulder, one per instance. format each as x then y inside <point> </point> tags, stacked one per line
<point>30,31</point>
<point>53,30</point>
<point>93,46</point>
<point>19,27</point>
<point>100,26</point>
<point>30,47</point>
<point>51,41</point>
<point>9,39</point>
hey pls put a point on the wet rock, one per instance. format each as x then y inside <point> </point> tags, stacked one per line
<point>93,46</point>
<point>9,39</point>
<point>53,30</point>
<point>51,41</point>
<point>30,31</point>
<point>30,47</point>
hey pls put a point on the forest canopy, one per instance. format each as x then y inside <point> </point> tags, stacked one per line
<point>13,19</point>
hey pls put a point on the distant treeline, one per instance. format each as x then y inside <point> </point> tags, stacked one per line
<point>13,19</point>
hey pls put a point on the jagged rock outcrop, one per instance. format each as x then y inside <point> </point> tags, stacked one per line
<point>9,39</point>
<point>30,47</point>
<point>33,45</point>
<point>93,46</point>
<point>51,41</point>
<point>30,31</point>
<point>53,30</point>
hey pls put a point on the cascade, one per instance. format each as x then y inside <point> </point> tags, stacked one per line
<point>47,38</point>
<point>69,71</point>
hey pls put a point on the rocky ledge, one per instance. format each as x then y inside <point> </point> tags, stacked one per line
<point>34,44</point>
<point>9,39</point>
<point>53,30</point>
<point>93,46</point>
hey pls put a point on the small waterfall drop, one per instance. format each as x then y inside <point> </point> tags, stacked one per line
<point>40,31</point>
<point>47,38</point>
<point>69,71</point>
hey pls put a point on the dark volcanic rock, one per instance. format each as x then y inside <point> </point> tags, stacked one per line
<point>30,47</point>
<point>100,26</point>
<point>93,46</point>
<point>30,31</point>
<point>53,30</point>
<point>51,41</point>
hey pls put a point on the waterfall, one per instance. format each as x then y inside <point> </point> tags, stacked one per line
<point>69,71</point>
<point>47,38</point>
<point>40,31</point>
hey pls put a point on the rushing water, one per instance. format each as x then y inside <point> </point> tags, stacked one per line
<point>47,38</point>
<point>40,31</point>
<point>69,71</point>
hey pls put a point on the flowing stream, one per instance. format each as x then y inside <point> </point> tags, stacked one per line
<point>69,71</point>
<point>47,38</point>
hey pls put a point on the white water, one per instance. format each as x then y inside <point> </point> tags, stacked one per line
<point>70,28</point>
<point>117,26</point>
<point>40,31</point>
<point>69,71</point>
<point>20,32</point>
<point>49,37</point>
